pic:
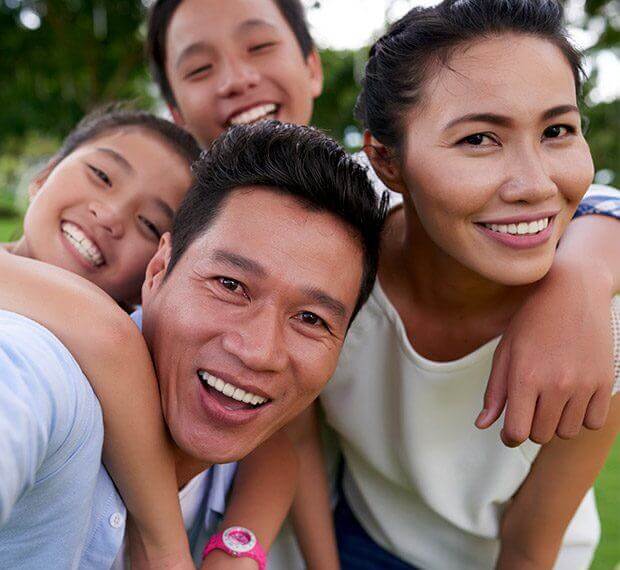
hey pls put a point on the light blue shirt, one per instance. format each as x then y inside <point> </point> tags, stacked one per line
<point>107,523</point>
<point>51,433</point>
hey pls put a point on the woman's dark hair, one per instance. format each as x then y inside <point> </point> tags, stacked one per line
<point>115,117</point>
<point>402,61</point>
<point>159,20</point>
<point>292,160</point>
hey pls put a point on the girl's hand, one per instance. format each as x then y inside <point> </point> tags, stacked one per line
<point>553,369</point>
<point>219,560</point>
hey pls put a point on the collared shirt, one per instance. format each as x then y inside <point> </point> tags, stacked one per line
<point>51,433</point>
<point>203,502</point>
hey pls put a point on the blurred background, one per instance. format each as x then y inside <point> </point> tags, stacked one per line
<point>62,58</point>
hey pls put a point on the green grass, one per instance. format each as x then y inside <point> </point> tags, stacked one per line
<point>607,485</point>
<point>9,228</point>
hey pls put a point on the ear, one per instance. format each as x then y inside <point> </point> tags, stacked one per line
<point>384,163</point>
<point>157,268</point>
<point>176,115</point>
<point>313,61</point>
<point>38,181</point>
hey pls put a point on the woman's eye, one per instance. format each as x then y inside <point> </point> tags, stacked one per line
<point>479,139</point>
<point>150,226</point>
<point>101,175</point>
<point>558,131</point>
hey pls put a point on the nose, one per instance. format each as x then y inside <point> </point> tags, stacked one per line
<point>531,180</point>
<point>108,217</point>
<point>258,341</point>
<point>236,77</point>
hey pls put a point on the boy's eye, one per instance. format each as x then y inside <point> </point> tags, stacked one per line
<point>558,131</point>
<point>264,45</point>
<point>101,175</point>
<point>150,226</point>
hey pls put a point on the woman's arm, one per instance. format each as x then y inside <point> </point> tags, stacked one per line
<point>535,522</point>
<point>311,512</point>
<point>260,498</point>
<point>552,368</point>
<point>114,357</point>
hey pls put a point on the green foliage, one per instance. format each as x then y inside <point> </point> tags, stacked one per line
<point>602,135</point>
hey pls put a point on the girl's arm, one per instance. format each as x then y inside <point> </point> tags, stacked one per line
<point>552,368</point>
<point>535,522</point>
<point>311,512</point>
<point>115,359</point>
<point>260,498</point>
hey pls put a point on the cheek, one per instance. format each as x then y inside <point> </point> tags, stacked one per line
<point>575,173</point>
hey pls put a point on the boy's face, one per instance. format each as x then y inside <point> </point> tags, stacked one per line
<point>237,61</point>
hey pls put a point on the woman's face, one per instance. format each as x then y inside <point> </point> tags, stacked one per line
<point>494,159</point>
<point>101,211</point>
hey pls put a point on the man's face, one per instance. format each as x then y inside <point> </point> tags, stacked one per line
<point>237,61</point>
<point>248,326</point>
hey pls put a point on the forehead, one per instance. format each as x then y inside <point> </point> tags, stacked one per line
<point>294,244</point>
<point>508,74</point>
<point>209,21</point>
<point>151,164</point>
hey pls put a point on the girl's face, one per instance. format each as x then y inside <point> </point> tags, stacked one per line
<point>494,159</point>
<point>101,211</point>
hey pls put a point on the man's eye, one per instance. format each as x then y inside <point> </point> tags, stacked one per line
<point>150,226</point>
<point>558,131</point>
<point>259,47</point>
<point>311,319</point>
<point>478,139</point>
<point>198,71</point>
<point>101,175</point>
<point>230,284</point>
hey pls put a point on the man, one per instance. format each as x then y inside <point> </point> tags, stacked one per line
<point>247,294</point>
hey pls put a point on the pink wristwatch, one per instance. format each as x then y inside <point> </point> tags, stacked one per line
<point>240,542</point>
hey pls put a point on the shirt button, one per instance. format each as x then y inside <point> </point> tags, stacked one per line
<point>116,520</point>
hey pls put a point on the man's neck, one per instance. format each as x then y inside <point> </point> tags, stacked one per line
<point>187,467</point>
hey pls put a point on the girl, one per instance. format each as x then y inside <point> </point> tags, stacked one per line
<point>472,116</point>
<point>98,210</point>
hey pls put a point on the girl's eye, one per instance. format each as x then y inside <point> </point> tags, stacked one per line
<point>101,175</point>
<point>558,131</point>
<point>311,319</point>
<point>150,226</point>
<point>262,46</point>
<point>478,139</point>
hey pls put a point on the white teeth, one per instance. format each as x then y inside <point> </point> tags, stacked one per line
<point>84,246</point>
<point>231,390</point>
<point>522,228</point>
<point>254,114</point>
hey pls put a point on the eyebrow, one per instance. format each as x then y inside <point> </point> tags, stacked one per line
<point>321,298</point>
<point>504,121</point>
<point>118,158</point>
<point>165,208</point>
<point>256,23</point>
<point>238,262</point>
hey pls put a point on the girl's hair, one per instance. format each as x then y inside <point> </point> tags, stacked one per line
<point>401,62</point>
<point>114,117</point>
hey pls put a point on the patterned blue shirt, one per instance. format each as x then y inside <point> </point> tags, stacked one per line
<point>51,433</point>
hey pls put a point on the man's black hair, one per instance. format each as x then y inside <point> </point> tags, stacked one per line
<point>292,160</point>
<point>159,19</point>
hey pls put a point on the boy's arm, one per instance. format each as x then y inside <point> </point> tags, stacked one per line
<point>552,369</point>
<point>114,358</point>
<point>260,498</point>
<point>311,512</point>
<point>535,521</point>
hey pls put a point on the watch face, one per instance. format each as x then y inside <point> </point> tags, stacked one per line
<point>239,539</point>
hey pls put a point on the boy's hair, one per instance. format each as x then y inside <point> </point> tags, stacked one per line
<point>292,160</point>
<point>113,117</point>
<point>159,19</point>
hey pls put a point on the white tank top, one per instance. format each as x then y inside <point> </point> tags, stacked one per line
<point>421,479</point>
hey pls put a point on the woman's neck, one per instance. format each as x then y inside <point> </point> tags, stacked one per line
<point>440,301</point>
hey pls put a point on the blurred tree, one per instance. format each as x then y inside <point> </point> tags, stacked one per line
<point>61,58</point>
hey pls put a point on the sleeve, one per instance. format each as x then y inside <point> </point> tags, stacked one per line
<point>602,200</point>
<point>25,414</point>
